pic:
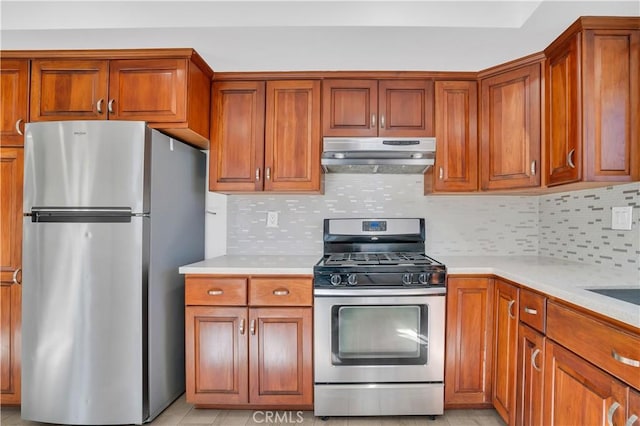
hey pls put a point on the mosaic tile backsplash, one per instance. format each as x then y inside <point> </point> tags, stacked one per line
<point>573,225</point>
<point>577,226</point>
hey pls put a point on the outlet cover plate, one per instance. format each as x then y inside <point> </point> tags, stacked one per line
<point>272,219</point>
<point>621,218</point>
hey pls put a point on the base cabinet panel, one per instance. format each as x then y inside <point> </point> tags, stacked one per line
<point>529,400</point>
<point>467,374</point>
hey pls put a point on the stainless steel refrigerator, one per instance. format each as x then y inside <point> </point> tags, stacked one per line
<point>111,210</point>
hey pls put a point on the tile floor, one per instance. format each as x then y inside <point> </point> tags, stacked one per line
<point>181,413</point>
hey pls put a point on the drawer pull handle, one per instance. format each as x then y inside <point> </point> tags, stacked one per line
<point>110,105</point>
<point>625,360</point>
<point>382,121</point>
<point>533,359</point>
<point>242,326</point>
<point>99,105</point>
<point>511,315</point>
<point>531,311</point>
<point>15,276</point>
<point>441,174</point>
<point>252,328</point>
<point>533,167</point>
<point>215,292</point>
<point>611,411</point>
<point>631,420</point>
<point>280,292</point>
<point>373,120</point>
<point>257,174</point>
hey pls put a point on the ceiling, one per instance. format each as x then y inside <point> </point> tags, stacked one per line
<point>322,35</point>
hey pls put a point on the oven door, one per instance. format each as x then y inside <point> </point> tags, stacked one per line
<point>379,336</point>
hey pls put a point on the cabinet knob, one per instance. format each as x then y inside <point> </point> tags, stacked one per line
<point>570,159</point>
<point>110,105</point>
<point>18,123</point>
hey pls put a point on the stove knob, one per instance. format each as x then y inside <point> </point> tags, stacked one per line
<point>423,278</point>
<point>335,279</point>
<point>352,279</point>
<point>407,278</point>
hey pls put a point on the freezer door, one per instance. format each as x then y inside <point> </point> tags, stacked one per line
<point>86,164</point>
<point>83,328</point>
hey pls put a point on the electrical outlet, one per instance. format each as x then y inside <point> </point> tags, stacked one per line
<point>621,218</point>
<point>272,219</point>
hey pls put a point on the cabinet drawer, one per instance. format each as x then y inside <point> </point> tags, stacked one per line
<point>608,347</point>
<point>276,291</point>
<point>215,291</point>
<point>533,309</point>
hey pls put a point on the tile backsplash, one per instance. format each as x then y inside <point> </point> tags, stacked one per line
<point>572,225</point>
<point>577,226</point>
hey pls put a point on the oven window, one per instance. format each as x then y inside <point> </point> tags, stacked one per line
<point>379,335</point>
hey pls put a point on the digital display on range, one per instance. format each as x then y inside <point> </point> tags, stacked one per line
<point>374,225</point>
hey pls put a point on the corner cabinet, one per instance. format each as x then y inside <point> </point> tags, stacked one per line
<point>249,341</point>
<point>456,130</point>
<point>593,87</point>
<point>265,136</point>
<point>396,108</point>
<point>14,100</point>
<point>170,91</point>
<point>11,173</point>
<point>510,128</point>
<point>467,373</point>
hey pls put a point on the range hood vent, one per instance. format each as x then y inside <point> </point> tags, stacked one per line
<point>378,155</point>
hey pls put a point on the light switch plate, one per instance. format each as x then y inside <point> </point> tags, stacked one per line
<point>621,218</point>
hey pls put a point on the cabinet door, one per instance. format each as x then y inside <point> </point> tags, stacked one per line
<point>68,90</point>
<point>292,136</point>
<point>14,100</point>
<point>281,356</point>
<point>529,400</point>
<point>11,171</point>
<point>577,393</point>
<point>405,108</point>
<point>237,136</point>
<point>505,333</point>
<point>610,102</point>
<point>564,147</point>
<point>456,166</point>
<point>148,90</point>
<point>467,374</point>
<point>633,408</point>
<point>349,107</point>
<point>216,352</point>
<point>510,129</point>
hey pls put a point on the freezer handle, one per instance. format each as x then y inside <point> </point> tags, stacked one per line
<point>81,215</point>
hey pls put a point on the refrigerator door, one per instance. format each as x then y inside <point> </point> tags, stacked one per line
<point>83,328</point>
<point>86,164</point>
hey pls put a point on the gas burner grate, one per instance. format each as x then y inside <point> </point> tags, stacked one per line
<point>351,259</point>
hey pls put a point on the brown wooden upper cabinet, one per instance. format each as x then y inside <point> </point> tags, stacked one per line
<point>593,91</point>
<point>377,107</point>
<point>456,116</point>
<point>14,100</point>
<point>510,128</point>
<point>265,136</point>
<point>171,93</point>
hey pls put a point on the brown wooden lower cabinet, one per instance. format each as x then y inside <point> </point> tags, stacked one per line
<point>467,378</point>
<point>249,341</point>
<point>505,345</point>
<point>578,393</point>
<point>529,399</point>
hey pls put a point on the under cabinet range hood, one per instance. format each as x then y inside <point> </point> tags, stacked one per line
<point>378,155</point>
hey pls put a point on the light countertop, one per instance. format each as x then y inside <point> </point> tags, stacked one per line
<point>562,279</point>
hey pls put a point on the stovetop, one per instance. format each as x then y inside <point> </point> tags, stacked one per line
<point>360,259</point>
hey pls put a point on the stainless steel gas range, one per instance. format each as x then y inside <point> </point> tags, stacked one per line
<point>379,317</point>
